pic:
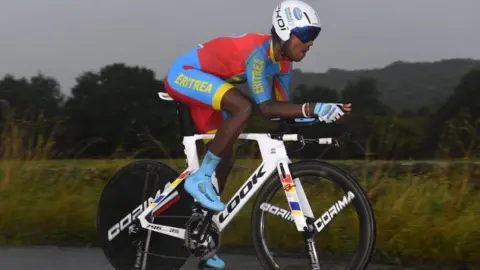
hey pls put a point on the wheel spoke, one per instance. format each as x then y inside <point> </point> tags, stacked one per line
<point>338,243</point>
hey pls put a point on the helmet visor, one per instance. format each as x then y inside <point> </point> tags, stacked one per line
<point>306,33</point>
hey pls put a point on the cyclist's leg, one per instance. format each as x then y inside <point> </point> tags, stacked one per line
<point>223,170</point>
<point>207,121</point>
<point>225,165</point>
<point>206,111</point>
<point>228,130</point>
<point>206,93</point>
<point>240,113</point>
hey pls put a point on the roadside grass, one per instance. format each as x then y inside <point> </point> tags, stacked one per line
<point>432,216</point>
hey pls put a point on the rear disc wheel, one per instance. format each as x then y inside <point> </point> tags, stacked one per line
<point>128,246</point>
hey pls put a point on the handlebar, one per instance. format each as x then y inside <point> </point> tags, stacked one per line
<point>296,137</point>
<point>285,132</point>
<point>332,142</point>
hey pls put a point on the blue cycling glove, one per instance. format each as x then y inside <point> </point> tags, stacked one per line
<point>328,112</point>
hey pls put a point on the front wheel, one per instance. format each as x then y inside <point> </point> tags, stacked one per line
<point>346,234</point>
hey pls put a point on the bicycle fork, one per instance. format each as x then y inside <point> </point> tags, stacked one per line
<point>300,209</point>
<point>312,251</point>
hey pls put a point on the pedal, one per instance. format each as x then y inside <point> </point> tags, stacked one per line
<point>198,208</point>
<point>196,205</point>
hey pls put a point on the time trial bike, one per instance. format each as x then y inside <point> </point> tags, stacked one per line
<point>147,221</point>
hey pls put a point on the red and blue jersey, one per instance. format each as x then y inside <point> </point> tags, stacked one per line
<point>202,76</point>
<point>247,57</point>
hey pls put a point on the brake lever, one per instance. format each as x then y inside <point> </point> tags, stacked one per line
<point>345,136</point>
<point>302,142</point>
<point>335,143</point>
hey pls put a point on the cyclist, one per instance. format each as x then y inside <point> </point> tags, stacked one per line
<point>204,78</point>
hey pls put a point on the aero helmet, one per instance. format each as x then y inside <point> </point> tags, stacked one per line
<point>297,18</point>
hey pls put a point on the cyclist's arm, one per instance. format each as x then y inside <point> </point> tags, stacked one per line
<point>262,93</point>
<point>257,80</point>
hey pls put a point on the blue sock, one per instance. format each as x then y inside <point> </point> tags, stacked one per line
<point>209,163</point>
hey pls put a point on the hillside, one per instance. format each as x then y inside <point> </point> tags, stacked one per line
<point>402,84</point>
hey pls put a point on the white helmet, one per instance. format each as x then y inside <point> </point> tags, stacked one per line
<point>298,18</point>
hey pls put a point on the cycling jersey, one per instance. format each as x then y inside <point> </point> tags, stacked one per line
<point>202,76</point>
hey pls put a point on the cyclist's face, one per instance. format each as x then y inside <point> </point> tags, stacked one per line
<point>296,49</point>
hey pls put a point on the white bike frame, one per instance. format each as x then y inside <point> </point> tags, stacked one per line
<point>274,158</point>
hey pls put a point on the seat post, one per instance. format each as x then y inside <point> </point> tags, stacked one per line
<point>185,120</point>
<point>183,112</point>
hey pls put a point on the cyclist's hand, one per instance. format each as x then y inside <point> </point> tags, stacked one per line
<point>347,107</point>
<point>330,112</point>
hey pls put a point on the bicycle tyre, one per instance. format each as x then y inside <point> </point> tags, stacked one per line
<point>338,176</point>
<point>125,192</point>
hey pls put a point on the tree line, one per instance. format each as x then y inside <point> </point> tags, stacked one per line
<point>116,112</point>
<point>403,85</point>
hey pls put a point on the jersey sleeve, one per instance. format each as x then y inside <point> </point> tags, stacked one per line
<point>256,76</point>
<point>281,83</point>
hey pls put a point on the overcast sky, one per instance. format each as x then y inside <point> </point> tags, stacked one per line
<point>62,38</point>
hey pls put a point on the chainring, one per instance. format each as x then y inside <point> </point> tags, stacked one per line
<point>212,238</point>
